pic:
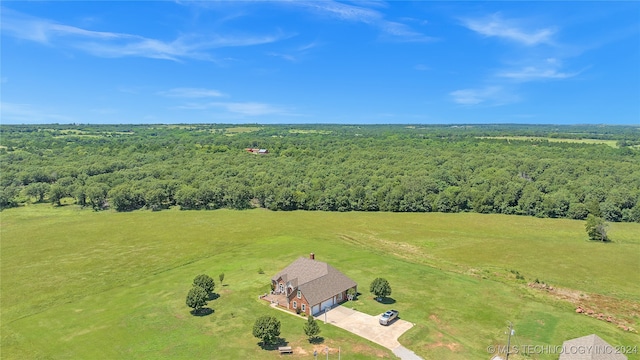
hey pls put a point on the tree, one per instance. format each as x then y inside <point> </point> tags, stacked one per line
<point>125,198</point>
<point>352,293</point>
<point>596,228</point>
<point>197,298</point>
<point>186,197</point>
<point>221,278</point>
<point>97,196</point>
<point>37,190</point>
<point>56,193</point>
<point>267,329</point>
<point>311,328</point>
<point>79,192</point>
<point>205,282</point>
<point>380,288</point>
<point>8,197</point>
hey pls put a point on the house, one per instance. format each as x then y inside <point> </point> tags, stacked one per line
<point>309,286</point>
<point>590,347</point>
<point>257,151</point>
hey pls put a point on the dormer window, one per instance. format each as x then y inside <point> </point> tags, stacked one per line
<point>299,294</point>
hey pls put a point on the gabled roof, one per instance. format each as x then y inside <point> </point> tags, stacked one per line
<point>590,347</point>
<point>317,280</point>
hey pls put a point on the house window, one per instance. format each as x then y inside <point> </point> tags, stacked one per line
<point>295,305</point>
<point>299,294</point>
<point>281,287</point>
<point>339,297</point>
<point>304,308</point>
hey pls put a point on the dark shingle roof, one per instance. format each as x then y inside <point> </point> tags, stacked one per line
<point>590,347</point>
<point>317,280</point>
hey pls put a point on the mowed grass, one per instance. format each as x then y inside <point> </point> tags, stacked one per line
<point>80,284</point>
<point>240,129</point>
<point>611,143</point>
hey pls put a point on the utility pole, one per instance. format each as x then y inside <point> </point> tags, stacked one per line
<point>509,339</point>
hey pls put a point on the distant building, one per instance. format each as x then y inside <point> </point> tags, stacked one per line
<point>310,286</point>
<point>590,347</point>
<point>257,151</point>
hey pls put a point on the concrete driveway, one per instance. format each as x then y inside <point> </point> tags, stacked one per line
<point>367,326</point>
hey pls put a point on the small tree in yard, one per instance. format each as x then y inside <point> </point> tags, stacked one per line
<point>596,228</point>
<point>205,282</point>
<point>267,329</point>
<point>221,277</point>
<point>311,328</point>
<point>197,298</point>
<point>380,288</point>
<point>351,294</point>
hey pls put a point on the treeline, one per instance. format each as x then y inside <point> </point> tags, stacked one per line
<point>324,167</point>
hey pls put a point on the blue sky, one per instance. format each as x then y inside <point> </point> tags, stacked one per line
<point>320,62</point>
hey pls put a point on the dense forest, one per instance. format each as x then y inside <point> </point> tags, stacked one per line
<point>535,170</point>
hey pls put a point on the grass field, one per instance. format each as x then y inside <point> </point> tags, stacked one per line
<point>240,129</point>
<point>310,131</point>
<point>81,284</point>
<point>612,143</point>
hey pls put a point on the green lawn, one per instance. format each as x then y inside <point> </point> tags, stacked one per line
<point>81,284</point>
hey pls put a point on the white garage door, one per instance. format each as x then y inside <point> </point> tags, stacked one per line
<point>326,304</point>
<point>315,310</point>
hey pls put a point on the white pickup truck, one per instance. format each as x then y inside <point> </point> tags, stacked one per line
<point>388,317</point>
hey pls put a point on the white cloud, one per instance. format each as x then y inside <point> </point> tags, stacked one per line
<point>251,108</point>
<point>296,54</point>
<point>530,73</point>
<point>370,3</point>
<point>496,26</point>
<point>111,44</point>
<point>29,114</point>
<point>343,11</point>
<point>393,30</point>
<point>287,57</point>
<point>403,32</point>
<point>191,93</point>
<point>240,108</point>
<point>308,46</point>
<point>492,95</point>
<point>548,69</point>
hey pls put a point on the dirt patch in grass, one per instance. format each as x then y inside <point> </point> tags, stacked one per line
<point>452,346</point>
<point>619,312</point>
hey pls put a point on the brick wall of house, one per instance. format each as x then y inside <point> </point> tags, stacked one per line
<point>303,300</point>
<point>299,303</point>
